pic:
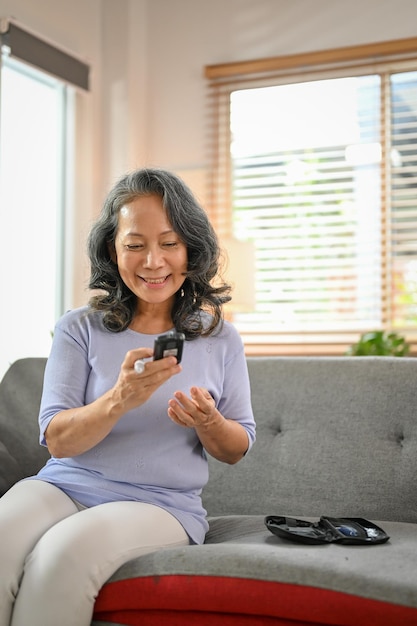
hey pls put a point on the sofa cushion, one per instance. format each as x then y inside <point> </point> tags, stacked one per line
<point>243,567</point>
<point>191,601</point>
<point>9,469</point>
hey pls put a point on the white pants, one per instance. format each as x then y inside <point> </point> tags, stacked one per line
<point>55,556</point>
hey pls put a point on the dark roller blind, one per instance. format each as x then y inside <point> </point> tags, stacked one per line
<point>39,53</point>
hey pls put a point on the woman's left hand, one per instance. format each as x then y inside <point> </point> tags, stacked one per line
<point>194,411</point>
<point>224,439</point>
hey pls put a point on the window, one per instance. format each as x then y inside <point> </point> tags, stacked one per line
<point>31,210</point>
<point>36,115</point>
<point>319,168</point>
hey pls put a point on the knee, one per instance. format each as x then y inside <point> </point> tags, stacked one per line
<point>59,561</point>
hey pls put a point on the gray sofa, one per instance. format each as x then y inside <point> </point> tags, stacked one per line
<point>335,436</point>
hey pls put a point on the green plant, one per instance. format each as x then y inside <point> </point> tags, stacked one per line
<point>379,343</point>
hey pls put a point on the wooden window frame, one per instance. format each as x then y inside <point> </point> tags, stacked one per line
<point>226,77</point>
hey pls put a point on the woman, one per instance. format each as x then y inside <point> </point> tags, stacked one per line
<point>128,449</point>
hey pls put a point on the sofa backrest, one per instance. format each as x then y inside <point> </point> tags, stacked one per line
<point>20,394</point>
<point>335,436</point>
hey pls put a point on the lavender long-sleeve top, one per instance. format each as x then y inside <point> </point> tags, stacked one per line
<point>146,457</point>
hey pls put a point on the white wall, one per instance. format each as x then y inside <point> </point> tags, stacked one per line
<point>186,35</point>
<point>147,103</point>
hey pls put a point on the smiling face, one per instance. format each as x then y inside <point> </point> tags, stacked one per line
<point>151,258</point>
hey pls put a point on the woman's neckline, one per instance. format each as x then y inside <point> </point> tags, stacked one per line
<point>150,334</point>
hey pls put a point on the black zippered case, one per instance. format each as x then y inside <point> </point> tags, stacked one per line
<point>345,530</point>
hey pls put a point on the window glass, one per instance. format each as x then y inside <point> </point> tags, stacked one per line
<point>404,198</point>
<point>32,163</point>
<point>323,178</point>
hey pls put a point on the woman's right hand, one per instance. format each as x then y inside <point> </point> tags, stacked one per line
<point>74,431</point>
<point>133,389</point>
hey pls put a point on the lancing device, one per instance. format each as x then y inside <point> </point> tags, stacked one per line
<point>139,366</point>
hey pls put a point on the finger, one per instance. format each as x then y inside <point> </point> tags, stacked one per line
<point>203,399</point>
<point>135,355</point>
<point>176,409</point>
<point>188,404</point>
<point>163,365</point>
<point>157,373</point>
<point>177,415</point>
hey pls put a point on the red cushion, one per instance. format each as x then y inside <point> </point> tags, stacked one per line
<point>179,600</point>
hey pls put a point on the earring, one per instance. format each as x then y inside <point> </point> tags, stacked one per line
<point>182,293</point>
